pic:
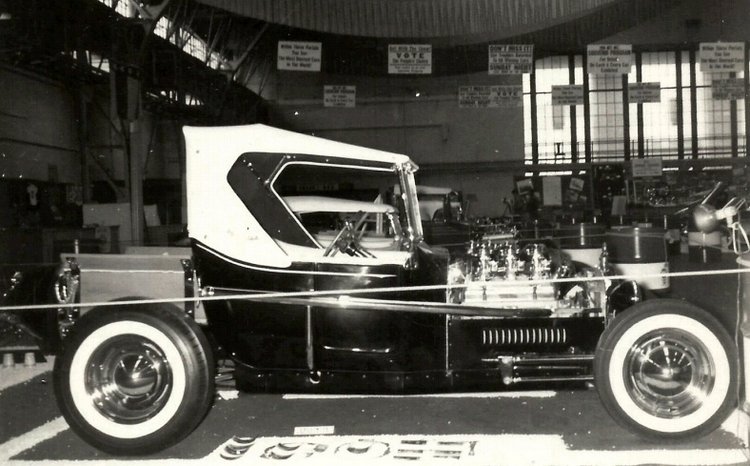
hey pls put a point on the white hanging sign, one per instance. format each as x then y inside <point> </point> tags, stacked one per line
<point>510,58</point>
<point>490,96</point>
<point>722,57</point>
<point>641,93</point>
<point>409,59</point>
<point>339,96</point>
<point>728,89</point>
<point>571,94</point>
<point>299,56</point>
<point>609,58</point>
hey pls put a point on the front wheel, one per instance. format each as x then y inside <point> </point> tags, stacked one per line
<point>667,370</point>
<point>134,381</point>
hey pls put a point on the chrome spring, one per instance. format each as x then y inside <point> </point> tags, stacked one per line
<point>524,336</point>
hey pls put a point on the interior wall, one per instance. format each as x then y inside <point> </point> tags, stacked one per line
<point>430,128</point>
<point>164,157</point>
<point>38,139</point>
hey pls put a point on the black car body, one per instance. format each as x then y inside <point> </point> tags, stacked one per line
<point>308,268</point>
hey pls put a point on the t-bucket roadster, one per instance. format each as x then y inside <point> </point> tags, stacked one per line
<point>308,269</point>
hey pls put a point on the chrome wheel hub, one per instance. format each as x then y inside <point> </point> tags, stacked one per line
<point>669,373</point>
<point>128,379</point>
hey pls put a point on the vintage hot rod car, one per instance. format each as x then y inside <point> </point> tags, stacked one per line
<point>308,269</point>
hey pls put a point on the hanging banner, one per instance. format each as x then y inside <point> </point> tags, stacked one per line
<point>722,57</point>
<point>339,96</point>
<point>571,94</point>
<point>728,89</point>
<point>490,96</point>
<point>299,56</point>
<point>646,167</point>
<point>510,58</point>
<point>642,93</point>
<point>609,58</point>
<point>409,59</point>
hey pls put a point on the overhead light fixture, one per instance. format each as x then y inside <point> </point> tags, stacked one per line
<point>417,94</point>
<point>296,113</point>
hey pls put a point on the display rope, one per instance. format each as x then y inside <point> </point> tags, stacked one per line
<point>342,293</point>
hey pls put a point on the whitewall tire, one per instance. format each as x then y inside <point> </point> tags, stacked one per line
<point>666,369</point>
<point>134,381</point>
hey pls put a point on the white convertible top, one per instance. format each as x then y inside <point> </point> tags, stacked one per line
<point>216,215</point>
<point>235,140</point>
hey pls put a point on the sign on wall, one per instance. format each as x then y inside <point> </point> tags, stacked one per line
<point>646,167</point>
<point>409,59</point>
<point>641,93</point>
<point>552,190</point>
<point>339,96</point>
<point>571,94</point>
<point>722,57</point>
<point>299,56</point>
<point>609,58</point>
<point>510,58</point>
<point>728,89</point>
<point>490,96</point>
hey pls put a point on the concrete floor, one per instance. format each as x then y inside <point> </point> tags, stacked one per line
<point>563,427</point>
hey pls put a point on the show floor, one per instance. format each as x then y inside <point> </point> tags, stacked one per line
<point>562,427</point>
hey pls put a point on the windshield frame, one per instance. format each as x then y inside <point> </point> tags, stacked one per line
<point>411,202</point>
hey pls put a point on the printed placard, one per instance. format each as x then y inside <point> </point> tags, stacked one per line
<point>609,58</point>
<point>339,96</point>
<point>506,96</point>
<point>641,93</point>
<point>571,94</point>
<point>552,190</point>
<point>409,59</point>
<point>646,167</point>
<point>299,56</point>
<point>728,89</point>
<point>722,57</point>
<point>510,58</point>
<point>576,184</point>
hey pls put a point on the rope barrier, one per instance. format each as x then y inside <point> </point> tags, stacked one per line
<point>265,296</point>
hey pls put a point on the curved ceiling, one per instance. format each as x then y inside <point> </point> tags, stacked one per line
<point>413,18</point>
<point>356,33</point>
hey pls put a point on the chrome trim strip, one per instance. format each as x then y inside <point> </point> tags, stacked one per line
<point>386,350</point>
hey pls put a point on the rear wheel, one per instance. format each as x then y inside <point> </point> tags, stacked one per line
<point>666,369</point>
<point>134,381</point>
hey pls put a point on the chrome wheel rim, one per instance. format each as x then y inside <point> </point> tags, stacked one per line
<point>669,373</point>
<point>128,379</point>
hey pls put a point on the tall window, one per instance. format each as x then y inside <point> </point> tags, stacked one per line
<point>553,122</point>
<point>660,120</point>
<point>607,126</point>
<point>672,128</point>
<point>715,117</point>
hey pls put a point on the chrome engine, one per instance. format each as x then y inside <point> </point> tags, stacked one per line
<point>500,271</point>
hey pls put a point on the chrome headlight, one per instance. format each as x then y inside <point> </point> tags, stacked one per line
<point>66,289</point>
<point>67,283</point>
